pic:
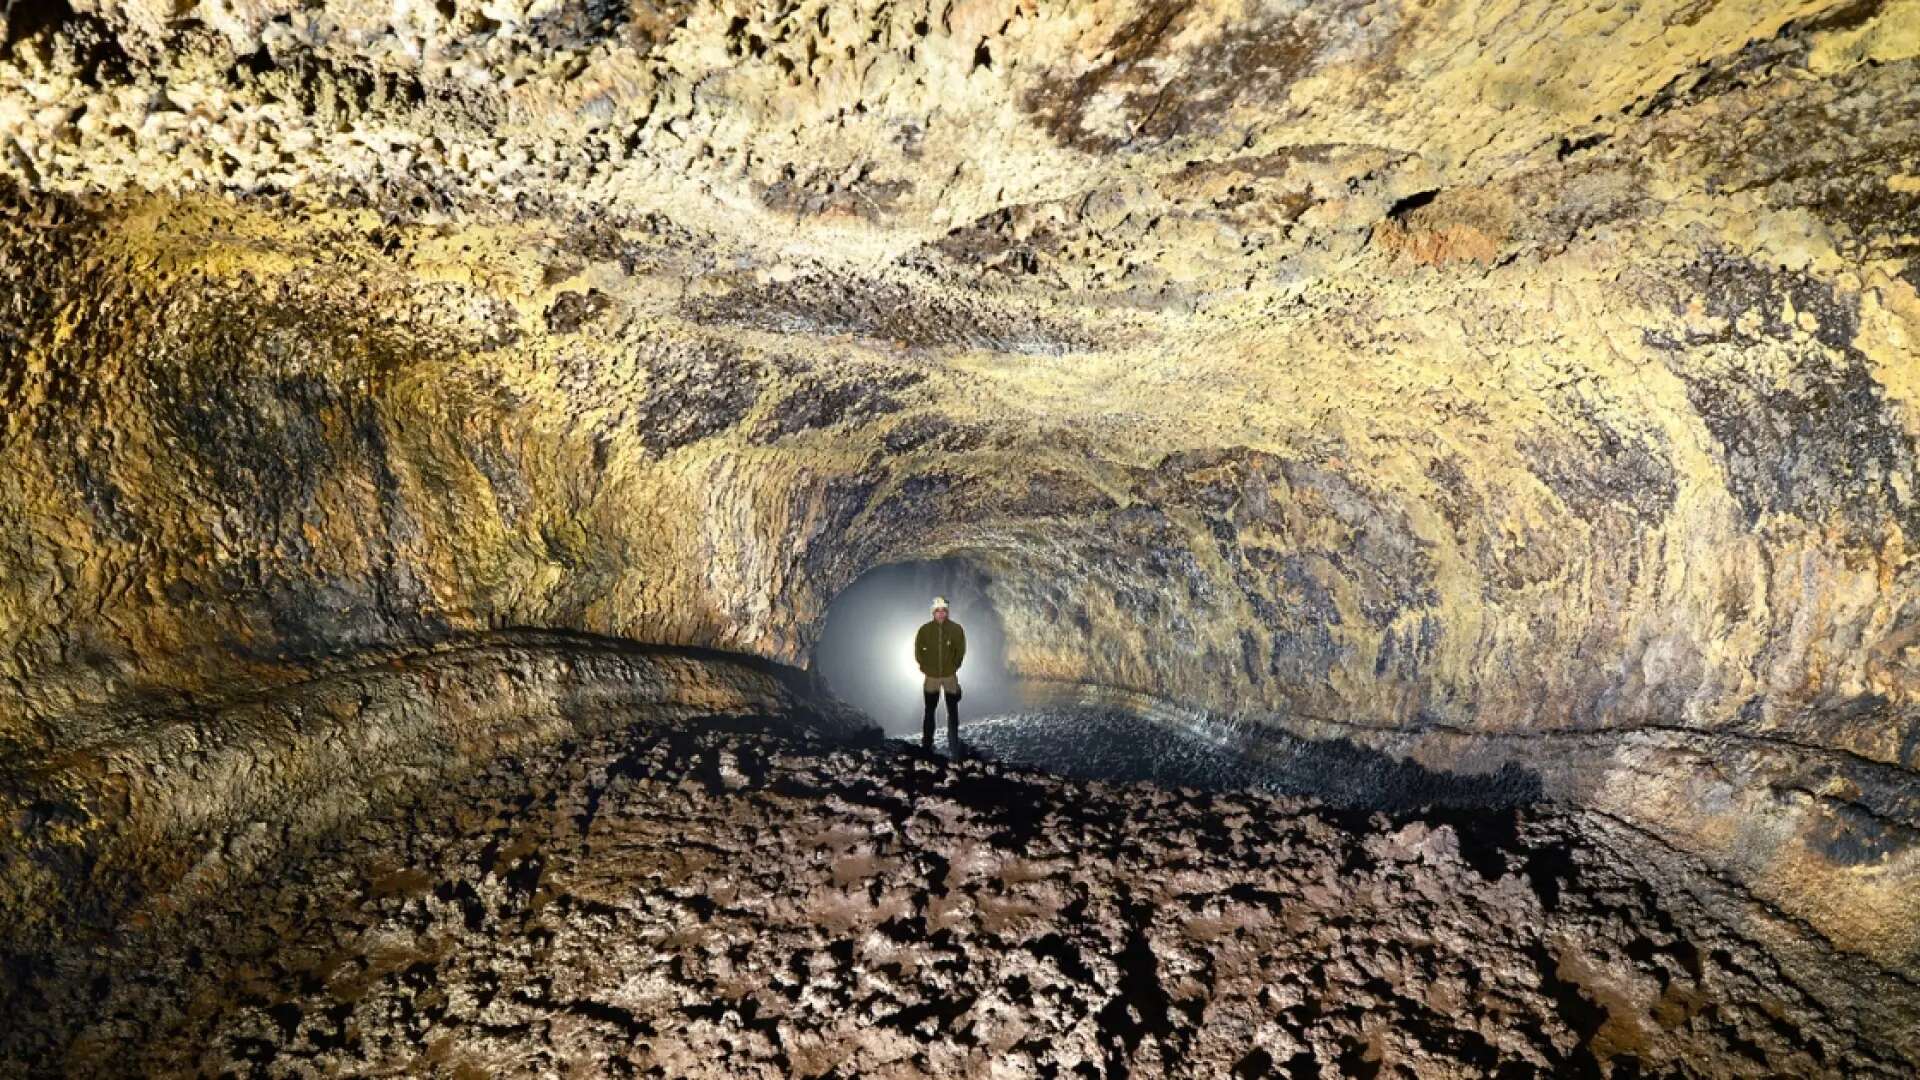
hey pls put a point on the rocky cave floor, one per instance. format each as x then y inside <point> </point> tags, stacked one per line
<point>742,901</point>
<point>1095,743</point>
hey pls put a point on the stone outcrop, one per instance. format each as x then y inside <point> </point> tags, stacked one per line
<point>1496,384</point>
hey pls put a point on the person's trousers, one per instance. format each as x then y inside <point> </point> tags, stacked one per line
<point>934,688</point>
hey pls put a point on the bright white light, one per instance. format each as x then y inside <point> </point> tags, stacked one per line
<point>866,650</point>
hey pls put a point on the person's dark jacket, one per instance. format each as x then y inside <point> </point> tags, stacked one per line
<point>939,647</point>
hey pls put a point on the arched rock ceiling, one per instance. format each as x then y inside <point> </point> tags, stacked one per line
<point>1459,376</point>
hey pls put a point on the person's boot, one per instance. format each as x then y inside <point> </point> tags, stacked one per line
<point>954,748</point>
<point>926,728</point>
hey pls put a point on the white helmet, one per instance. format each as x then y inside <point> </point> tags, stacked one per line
<point>939,602</point>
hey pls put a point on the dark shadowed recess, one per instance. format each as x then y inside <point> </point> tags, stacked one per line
<point>1098,743</point>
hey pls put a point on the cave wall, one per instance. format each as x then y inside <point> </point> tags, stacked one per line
<point>186,803</point>
<point>1485,382</point>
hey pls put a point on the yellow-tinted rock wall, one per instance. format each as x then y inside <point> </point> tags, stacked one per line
<point>1444,375</point>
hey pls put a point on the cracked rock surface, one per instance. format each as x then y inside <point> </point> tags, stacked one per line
<point>729,900</point>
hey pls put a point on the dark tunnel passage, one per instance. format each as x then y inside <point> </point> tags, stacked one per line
<point>865,652</point>
<point>864,655</point>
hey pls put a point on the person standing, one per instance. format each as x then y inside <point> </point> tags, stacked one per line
<point>938,648</point>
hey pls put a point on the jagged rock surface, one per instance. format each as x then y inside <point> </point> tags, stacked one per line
<point>1502,385</point>
<point>194,807</point>
<point>687,902</point>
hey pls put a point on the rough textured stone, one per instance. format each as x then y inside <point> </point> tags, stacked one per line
<point>1501,384</point>
<point>681,902</point>
<point>209,790</point>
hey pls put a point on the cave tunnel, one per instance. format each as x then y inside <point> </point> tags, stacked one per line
<point>1434,486</point>
<point>865,651</point>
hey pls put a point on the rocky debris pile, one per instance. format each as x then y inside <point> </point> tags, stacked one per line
<point>731,902</point>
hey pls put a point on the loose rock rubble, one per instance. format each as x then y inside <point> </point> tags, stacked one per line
<point>727,901</point>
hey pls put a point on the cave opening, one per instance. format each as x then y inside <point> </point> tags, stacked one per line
<point>865,651</point>
<point>1086,731</point>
